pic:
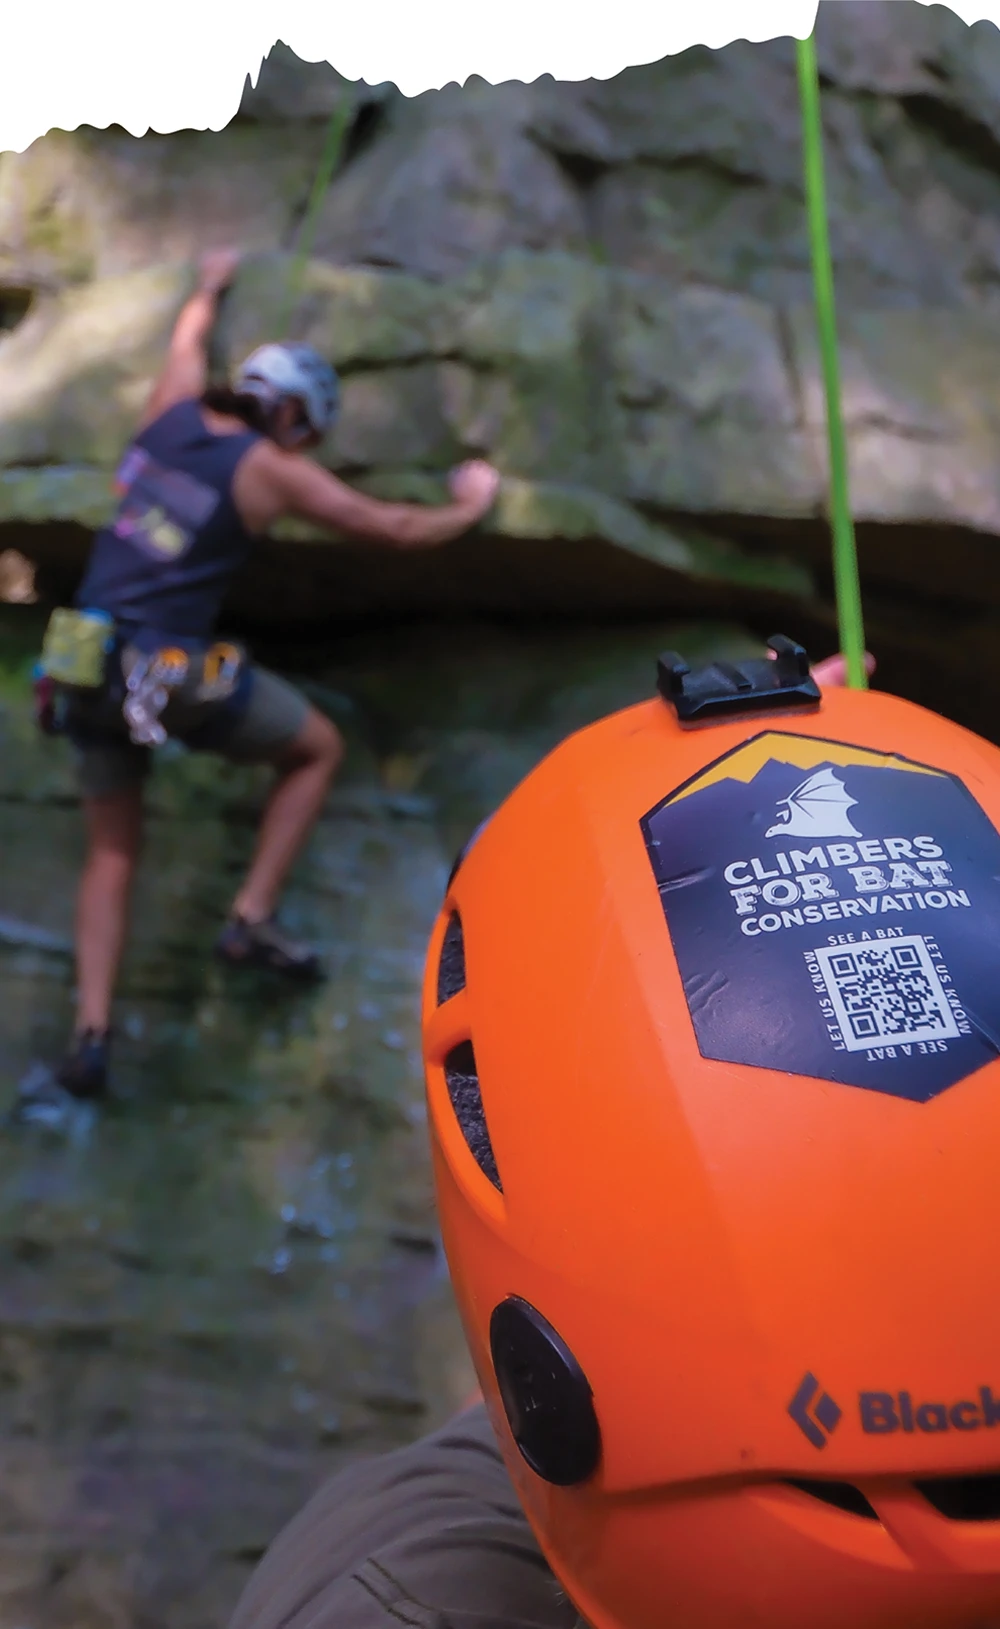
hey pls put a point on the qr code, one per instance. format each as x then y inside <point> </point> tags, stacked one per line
<point>885,992</point>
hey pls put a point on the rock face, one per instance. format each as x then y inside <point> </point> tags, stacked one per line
<point>229,1284</point>
<point>603,286</point>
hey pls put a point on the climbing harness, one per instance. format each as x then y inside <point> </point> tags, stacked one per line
<point>81,655</point>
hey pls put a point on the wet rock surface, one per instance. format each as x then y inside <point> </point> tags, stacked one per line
<point>228,1282</point>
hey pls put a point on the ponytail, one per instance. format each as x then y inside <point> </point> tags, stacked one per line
<point>223,399</point>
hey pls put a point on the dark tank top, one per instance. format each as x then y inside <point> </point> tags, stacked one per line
<point>164,563</point>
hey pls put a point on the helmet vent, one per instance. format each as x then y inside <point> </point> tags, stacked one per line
<point>462,1079</point>
<point>842,1495</point>
<point>964,1498</point>
<point>451,967</point>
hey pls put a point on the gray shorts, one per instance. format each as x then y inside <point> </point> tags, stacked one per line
<point>261,731</point>
<point>431,1536</point>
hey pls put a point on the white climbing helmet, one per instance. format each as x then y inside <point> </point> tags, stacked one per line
<point>275,373</point>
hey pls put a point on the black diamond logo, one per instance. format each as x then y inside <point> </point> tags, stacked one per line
<point>816,1417</point>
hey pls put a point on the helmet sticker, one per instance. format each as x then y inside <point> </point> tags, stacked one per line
<point>835,912</point>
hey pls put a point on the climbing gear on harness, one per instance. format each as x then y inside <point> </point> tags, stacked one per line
<point>75,648</point>
<point>149,683</point>
<point>266,947</point>
<point>155,677</point>
<point>220,671</point>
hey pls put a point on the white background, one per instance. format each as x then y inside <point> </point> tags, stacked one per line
<point>182,64</point>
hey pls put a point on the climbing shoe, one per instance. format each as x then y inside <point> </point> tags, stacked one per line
<point>265,946</point>
<point>84,1070</point>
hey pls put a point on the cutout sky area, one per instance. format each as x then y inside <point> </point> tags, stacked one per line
<point>96,64</point>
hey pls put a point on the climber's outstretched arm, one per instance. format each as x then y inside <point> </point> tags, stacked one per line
<point>185,372</point>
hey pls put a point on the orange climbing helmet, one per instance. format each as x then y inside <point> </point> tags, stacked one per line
<point>712,1044</point>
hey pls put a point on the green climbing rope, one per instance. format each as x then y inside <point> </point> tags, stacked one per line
<point>329,160</point>
<point>845,553</point>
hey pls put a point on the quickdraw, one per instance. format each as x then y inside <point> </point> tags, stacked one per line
<point>149,685</point>
<point>153,680</point>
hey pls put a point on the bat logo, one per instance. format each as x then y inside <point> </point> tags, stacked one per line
<point>817,808</point>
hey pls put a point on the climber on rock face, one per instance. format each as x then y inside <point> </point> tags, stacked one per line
<point>209,471</point>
